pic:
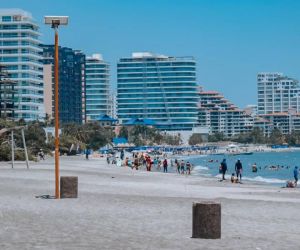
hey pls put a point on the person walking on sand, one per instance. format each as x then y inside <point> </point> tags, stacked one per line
<point>155,162</point>
<point>122,155</point>
<point>158,165</point>
<point>238,169</point>
<point>223,169</point>
<point>165,164</point>
<point>296,174</point>
<point>41,154</point>
<point>87,152</point>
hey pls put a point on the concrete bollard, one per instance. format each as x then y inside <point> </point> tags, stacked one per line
<point>207,220</point>
<point>68,187</point>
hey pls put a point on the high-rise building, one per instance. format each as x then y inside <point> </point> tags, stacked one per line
<point>277,93</point>
<point>20,53</point>
<point>221,116</point>
<point>97,87</point>
<point>160,88</point>
<point>7,95</point>
<point>71,83</point>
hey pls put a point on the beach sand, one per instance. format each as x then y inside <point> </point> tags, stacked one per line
<point>120,208</point>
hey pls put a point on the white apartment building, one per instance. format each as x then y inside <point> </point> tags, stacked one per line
<point>221,116</point>
<point>20,53</point>
<point>277,93</point>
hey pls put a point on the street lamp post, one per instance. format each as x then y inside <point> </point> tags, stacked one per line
<point>55,21</point>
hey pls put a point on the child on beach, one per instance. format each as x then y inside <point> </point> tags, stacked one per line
<point>234,179</point>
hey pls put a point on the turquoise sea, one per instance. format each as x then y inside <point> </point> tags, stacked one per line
<point>286,161</point>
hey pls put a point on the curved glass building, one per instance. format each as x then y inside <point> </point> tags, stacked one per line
<point>160,88</point>
<point>21,54</point>
<point>97,87</point>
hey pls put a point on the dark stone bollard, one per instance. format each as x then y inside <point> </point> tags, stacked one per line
<point>207,220</point>
<point>68,187</point>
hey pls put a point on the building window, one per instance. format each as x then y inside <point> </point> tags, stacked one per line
<point>6,19</point>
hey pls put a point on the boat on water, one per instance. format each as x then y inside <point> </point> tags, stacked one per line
<point>241,153</point>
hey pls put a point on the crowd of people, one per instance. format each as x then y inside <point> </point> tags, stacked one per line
<point>235,177</point>
<point>141,160</point>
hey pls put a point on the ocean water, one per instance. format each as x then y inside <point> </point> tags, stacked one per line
<point>209,166</point>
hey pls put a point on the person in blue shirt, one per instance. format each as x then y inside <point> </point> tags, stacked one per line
<point>296,174</point>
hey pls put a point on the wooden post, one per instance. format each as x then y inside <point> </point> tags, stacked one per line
<point>12,149</point>
<point>25,148</point>
<point>68,186</point>
<point>207,220</point>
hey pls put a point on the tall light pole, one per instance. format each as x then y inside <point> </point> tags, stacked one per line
<point>55,21</point>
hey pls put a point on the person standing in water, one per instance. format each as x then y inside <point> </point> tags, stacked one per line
<point>182,164</point>
<point>178,166</point>
<point>296,174</point>
<point>223,168</point>
<point>254,168</point>
<point>238,169</point>
<point>188,168</point>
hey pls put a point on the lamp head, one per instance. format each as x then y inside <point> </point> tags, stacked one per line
<point>55,21</point>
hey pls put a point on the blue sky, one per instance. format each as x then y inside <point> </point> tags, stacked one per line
<point>231,40</point>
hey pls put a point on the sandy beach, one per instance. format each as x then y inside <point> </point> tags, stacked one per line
<point>120,208</point>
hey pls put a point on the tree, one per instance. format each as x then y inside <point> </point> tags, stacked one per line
<point>216,137</point>
<point>293,138</point>
<point>91,134</point>
<point>35,138</point>
<point>195,139</point>
<point>276,137</point>
<point>144,135</point>
<point>257,135</point>
<point>243,138</point>
<point>174,140</point>
<point>123,132</point>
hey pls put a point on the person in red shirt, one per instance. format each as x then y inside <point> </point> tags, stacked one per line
<point>165,164</point>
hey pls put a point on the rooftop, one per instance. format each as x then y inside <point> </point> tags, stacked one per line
<point>16,12</point>
<point>97,57</point>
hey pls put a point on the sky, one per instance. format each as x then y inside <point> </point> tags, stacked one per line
<point>231,40</point>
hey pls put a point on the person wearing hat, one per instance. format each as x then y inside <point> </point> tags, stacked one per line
<point>296,173</point>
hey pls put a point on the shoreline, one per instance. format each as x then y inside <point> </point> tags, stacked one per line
<point>172,170</point>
